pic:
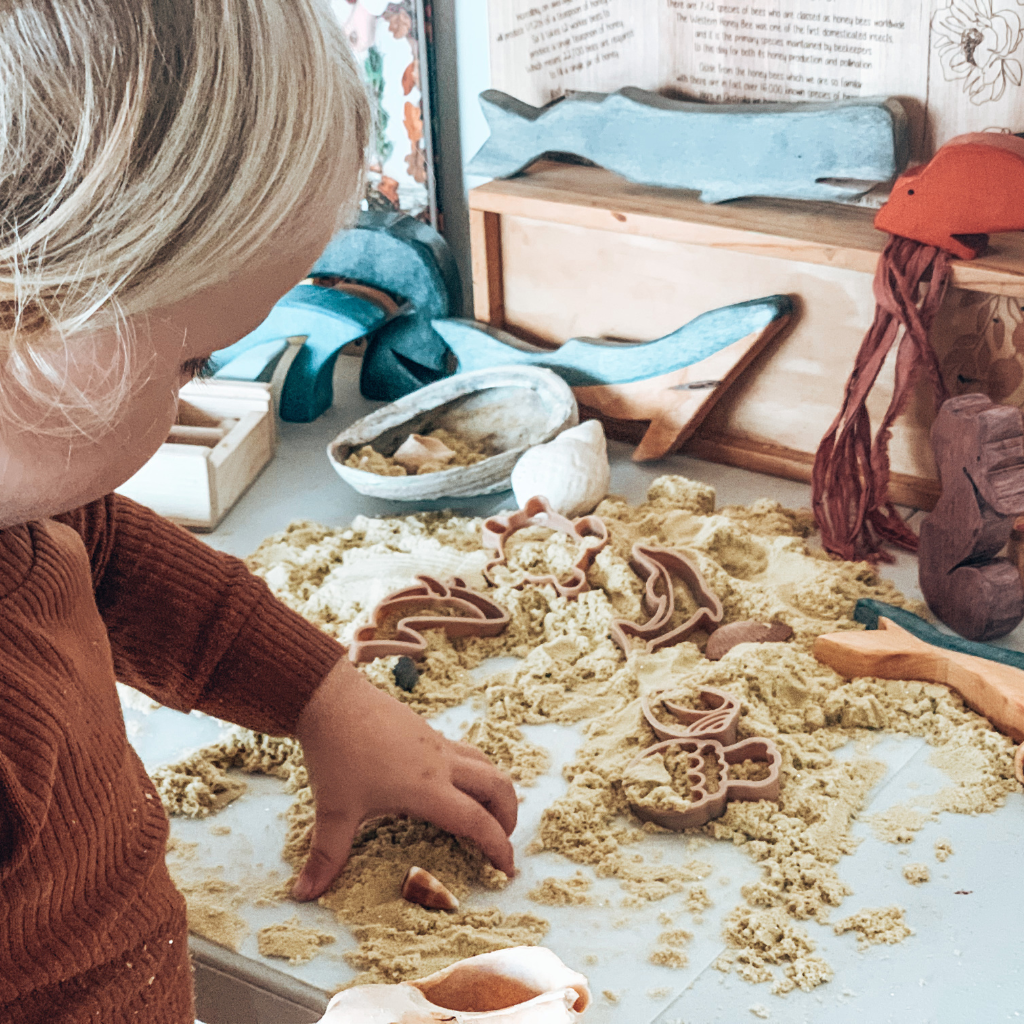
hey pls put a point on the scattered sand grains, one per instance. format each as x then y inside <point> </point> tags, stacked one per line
<point>943,850</point>
<point>563,892</point>
<point>669,952</point>
<point>874,926</point>
<point>698,900</point>
<point>290,941</point>
<point>507,747</point>
<point>212,907</point>
<point>758,561</point>
<point>916,874</point>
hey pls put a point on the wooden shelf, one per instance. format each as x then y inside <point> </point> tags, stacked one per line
<point>827,234</point>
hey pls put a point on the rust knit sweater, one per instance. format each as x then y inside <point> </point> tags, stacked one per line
<point>91,927</point>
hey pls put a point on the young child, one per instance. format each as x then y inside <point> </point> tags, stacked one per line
<point>170,168</point>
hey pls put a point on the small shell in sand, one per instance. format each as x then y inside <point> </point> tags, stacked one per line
<point>416,450</point>
<point>423,888</point>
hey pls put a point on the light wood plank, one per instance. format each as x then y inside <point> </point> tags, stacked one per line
<point>826,234</point>
<point>488,278</point>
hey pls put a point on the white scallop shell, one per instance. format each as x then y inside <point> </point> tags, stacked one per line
<point>571,471</point>
<point>510,408</point>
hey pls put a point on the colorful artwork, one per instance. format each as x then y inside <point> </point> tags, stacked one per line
<point>386,38</point>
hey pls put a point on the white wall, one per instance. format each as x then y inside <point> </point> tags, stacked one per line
<point>474,70</point>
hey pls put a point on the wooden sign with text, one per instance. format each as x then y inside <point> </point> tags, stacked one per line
<point>956,64</point>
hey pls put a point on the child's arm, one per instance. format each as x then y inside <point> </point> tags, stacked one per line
<point>194,628</point>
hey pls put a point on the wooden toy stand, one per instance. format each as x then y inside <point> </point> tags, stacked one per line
<point>566,251</point>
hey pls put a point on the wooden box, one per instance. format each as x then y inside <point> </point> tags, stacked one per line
<point>565,251</point>
<point>195,484</point>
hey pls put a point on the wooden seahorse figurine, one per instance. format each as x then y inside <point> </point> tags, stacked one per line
<point>979,449</point>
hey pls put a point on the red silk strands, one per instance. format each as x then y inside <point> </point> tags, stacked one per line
<point>850,482</point>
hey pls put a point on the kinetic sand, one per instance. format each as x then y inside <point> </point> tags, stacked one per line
<point>760,563</point>
<point>370,460</point>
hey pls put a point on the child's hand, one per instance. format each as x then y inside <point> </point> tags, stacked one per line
<point>368,754</point>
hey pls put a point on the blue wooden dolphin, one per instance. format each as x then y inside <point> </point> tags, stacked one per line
<point>672,382</point>
<point>830,151</point>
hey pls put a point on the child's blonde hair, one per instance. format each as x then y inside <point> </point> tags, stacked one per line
<point>148,149</point>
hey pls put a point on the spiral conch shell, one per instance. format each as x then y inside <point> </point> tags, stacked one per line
<point>523,985</point>
<point>571,471</point>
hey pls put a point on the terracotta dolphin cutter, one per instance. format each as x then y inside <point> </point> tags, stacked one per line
<point>709,735</point>
<point>403,615</point>
<point>590,531</point>
<point>657,566</point>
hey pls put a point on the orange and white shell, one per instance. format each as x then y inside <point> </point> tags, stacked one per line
<point>423,888</point>
<point>523,985</point>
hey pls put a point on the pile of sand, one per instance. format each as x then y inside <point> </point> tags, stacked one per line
<point>759,562</point>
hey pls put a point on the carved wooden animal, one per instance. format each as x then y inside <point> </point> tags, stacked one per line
<point>870,612</point>
<point>889,652</point>
<point>672,382</point>
<point>979,449</point>
<point>970,189</point>
<point>724,150</point>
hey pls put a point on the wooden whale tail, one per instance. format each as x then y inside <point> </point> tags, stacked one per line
<point>508,119</point>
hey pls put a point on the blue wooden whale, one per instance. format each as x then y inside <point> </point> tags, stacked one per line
<point>672,382</point>
<point>831,151</point>
<point>329,319</point>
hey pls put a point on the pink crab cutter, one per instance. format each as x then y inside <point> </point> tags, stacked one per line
<point>424,607</point>
<point>709,735</point>
<point>590,531</point>
<point>657,566</point>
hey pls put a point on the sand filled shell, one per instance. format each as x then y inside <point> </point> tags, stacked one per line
<point>506,410</point>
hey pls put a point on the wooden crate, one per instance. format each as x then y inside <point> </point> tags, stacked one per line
<point>566,251</point>
<point>195,485</point>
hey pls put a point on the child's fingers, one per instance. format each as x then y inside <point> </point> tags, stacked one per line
<point>489,787</point>
<point>463,816</point>
<point>331,842</point>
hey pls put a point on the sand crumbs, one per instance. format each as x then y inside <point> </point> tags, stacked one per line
<point>758,561</point>
<point>874,926</point>
<point>916,874</point>
<point>290,941</point>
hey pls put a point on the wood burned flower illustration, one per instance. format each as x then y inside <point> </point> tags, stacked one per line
<point>975,43</point>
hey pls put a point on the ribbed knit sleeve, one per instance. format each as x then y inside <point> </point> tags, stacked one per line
<point>192,626</point>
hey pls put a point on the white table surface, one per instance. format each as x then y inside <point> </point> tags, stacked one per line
<point>962,965</point>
